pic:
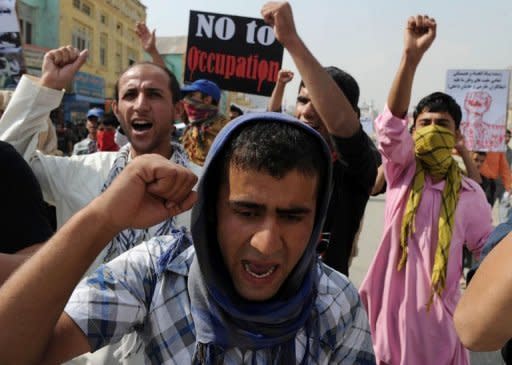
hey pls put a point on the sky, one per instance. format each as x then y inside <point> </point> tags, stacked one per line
<point>365,37</point>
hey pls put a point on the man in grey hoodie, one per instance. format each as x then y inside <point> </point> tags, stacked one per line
<point>249,289</point>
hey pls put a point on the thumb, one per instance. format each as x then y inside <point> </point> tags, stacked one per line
<point>82,57</point>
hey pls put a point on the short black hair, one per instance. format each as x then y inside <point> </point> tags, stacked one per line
<point>480,153</point>
<point>110,119</point>
<point>346,83</point>
<point>275,148</point>
<point>174,85</point>
<point>439,102</point>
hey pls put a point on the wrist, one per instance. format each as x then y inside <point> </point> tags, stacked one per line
<point>51,83</point>
<point>101,215</point>
<point>293,44</point>
<point>411,58</point>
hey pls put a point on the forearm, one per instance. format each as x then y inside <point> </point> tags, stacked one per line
<point>26,115</point>
<point>33,298</point>
<point>380,180</point>
<point>9,263</point>
<point>330,103</point>
<point>157,58</point>
<point>276,99</point>
<point>400,93</point>
<point>483,317</point>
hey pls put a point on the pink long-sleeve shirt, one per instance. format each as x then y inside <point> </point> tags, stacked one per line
<point>403,331</point>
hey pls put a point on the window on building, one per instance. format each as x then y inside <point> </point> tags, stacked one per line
<point>132,57</point>
<point>26,31</point>
<point>119,28</point>
<point>119,63</point>
<point>76,4</point>
<point>119,57</point>
<point>103,49</point>
<point>81,38</point>
<point>26,18</point>
<point>104,19</point>
<point>86,9</point>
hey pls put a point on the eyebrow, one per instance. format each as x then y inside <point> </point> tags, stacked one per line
<point>303,99</point>
<point>144,89</point>
<point>261,207</point>
<point>152,89</point>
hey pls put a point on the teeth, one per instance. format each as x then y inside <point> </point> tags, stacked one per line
<point>259,276</point>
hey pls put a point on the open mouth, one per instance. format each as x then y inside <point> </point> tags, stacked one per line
<point>259,271</point>
<point>141,126</point>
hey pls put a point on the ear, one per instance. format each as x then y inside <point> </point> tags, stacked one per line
<point>115,109</point>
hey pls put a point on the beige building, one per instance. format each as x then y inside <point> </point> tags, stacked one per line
<point>106,28</point>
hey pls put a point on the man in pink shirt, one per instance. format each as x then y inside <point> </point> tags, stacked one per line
<point>432,210</point>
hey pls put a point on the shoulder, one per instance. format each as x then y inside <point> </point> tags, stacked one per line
<point>341,318</point>
<point>335,291</point>
<point>469,185</point>
<point>170,253</point>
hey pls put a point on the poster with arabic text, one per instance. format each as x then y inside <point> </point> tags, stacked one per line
<point>483,98</point>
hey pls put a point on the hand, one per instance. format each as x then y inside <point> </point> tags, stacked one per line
<point>60,66</point>
<point>149,190</point>
<point>147,38</point>
<point>419,35</point>
<point>279,16</point>
<point>460,146</point>
<point>284,76</point>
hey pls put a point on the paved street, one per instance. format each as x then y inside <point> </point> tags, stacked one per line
<point>368,242</point>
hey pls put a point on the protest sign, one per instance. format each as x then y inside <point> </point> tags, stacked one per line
<point>237,53</point>
<point>483,97</point>
<point>11,56</point>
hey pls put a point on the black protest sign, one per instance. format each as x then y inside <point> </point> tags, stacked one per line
<point>237,53</point>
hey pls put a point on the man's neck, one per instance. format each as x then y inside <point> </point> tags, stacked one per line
<point>167,152</point>
<point>435,180</point>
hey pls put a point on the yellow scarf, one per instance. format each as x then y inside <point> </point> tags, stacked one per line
<point>433,146</point>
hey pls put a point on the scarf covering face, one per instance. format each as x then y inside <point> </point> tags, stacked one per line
<point>204,124</point>
<point>131,237</point>
<point>106,141</point>
<point>433,146</point>
<point>197,111</point>
<point>222,318</point>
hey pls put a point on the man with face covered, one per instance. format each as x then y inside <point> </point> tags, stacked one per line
<point>106,134</point>
<point>432,211</point>
<point>249,290</point>
<point>201,102</point>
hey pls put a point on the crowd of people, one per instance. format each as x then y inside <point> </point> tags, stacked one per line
<point>231,242</point>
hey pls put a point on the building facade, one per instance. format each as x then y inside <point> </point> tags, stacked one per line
<point>105,28</point>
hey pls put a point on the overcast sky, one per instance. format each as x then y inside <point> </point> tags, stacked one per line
<point>364,37</point>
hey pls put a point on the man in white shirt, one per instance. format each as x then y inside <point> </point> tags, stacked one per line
<point>146,104</point>
<point>147,101</point>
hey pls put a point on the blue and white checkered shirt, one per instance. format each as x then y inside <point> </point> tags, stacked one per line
<point>128,294</point>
